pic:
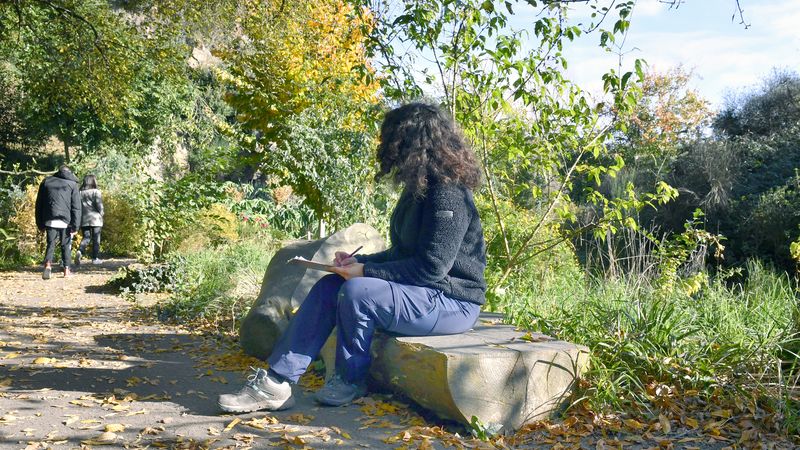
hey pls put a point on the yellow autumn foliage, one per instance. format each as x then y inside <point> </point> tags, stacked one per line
<point>292,55</point>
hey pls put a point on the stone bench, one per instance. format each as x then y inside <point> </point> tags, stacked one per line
<point>502,376</point>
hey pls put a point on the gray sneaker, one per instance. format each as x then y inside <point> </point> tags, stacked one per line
<point>78,256</point>
<point>46,274</point>
<point>338,392</point>
<point>260,392</point>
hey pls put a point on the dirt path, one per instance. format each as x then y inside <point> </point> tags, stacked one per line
<point>78,369</point>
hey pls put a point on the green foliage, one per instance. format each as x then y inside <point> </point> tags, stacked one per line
<point>28,244</point>
<point>122,230</point>
<point>330,167</point>
<point>155,278</point>
<point>220,284</point>
<point>723,338</point>
<point>744,177</point>
<point>88,74</point>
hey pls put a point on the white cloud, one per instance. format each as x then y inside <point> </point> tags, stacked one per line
<point>648,8</point>
<point>724,57</point>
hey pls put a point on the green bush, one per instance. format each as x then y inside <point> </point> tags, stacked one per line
<point>208,228</point>
<point>23,244</point>
<point>219,284</point>
<point>122,229</point>
<point>724,338</point>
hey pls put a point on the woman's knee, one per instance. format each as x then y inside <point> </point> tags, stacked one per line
<point>354,290</point>
<point>365,294</point>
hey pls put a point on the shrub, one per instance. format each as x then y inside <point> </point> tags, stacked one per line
<point>123,233</point>
<point>556,266</point>
<point>722,339</point>
<point>220,284</point>
<point>211,227</point>
<point>29,244</point>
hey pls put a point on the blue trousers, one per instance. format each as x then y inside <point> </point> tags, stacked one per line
<point>357,308</point>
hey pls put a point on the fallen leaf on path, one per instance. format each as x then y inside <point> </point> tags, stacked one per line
<point>300,418</point>
<point>261,424</point>
<point>115,427</point>
<point>665,425</point>
<point>44,360</point>
<point>106,438</point>
<point>232,424</point>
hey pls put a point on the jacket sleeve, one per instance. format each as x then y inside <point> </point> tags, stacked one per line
<point>445,220</point>
<point>40,199</point>
<point>75,216</point>
<point>385,255</point>
<point>99,204</point>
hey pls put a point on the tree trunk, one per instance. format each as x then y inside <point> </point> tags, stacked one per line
<point>67,158</point>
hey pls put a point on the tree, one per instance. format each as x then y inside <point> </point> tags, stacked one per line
<point>294,84</point>
<point>535,131</point>
<point>88,74</point>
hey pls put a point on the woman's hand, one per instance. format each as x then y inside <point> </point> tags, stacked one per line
<point>343,259</point>
<point>350,271</point>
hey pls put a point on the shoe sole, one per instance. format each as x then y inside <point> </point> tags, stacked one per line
<point>332,402</point>
<point>271,406</point>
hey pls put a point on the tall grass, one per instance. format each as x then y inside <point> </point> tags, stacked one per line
<point>219,284</point>
<point>726,338</point>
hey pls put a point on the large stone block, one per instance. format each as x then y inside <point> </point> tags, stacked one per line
<point>494,372</point>
<point>285,286</point>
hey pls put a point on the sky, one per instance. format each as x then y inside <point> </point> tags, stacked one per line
<point>725,57</point>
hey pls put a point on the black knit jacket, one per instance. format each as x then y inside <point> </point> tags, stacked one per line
<point>436,242</point>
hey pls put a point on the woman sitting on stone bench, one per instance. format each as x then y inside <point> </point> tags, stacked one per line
<point>430,280</point>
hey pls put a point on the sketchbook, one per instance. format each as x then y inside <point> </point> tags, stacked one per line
<point>307,263</point>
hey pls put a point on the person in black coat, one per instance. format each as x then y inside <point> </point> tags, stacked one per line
<point>430,281</point>
<point>58,214</point>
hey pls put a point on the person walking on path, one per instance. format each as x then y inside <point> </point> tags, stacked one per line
<point>430,281</point>
<point>91,219</point>
<point>58,215</point>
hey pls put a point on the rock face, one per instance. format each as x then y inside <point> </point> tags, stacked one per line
<point>285,286</point>
<point>502,376</point>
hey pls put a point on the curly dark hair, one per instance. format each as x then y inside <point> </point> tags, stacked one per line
<point>421,145</point>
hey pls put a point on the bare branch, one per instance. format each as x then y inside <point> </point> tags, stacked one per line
<point>23,173</point>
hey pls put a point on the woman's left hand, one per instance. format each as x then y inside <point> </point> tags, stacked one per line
<point>350,271</point>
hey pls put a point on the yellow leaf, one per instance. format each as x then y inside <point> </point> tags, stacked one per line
<point>44,360</point>
<point>115,427</point>
<point>232,424</point>
<point>690,422</point>
<point>722,413</point>
<point>633,423</point>
<point>665,425</point>
<point>106,438</point>
<point>345,435</point>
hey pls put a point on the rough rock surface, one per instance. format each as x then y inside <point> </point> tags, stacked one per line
<point>285,286</point>
<point>494,372</point>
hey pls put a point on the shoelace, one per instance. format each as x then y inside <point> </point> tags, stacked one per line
<point>254,378</point>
